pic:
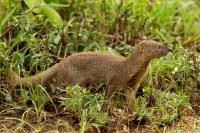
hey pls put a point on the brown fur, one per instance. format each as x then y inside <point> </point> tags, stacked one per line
<point>94,68</point>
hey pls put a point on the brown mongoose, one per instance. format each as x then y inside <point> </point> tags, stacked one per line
<point>116,72</point>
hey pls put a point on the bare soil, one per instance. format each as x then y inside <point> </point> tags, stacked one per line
<point>12,120</point>
<point>24,119</point>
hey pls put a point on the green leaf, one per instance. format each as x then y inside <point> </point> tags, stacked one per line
<point>33,3</point>
<point>53,16</point>
<point>6,18</point>
<point>40,7</point>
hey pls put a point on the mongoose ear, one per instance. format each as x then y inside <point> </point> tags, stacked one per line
<point>140,47</point>
<point>142,43</point>
<point>139,42</point>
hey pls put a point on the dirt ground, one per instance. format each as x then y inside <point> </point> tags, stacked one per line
<point>14,118</point>
<point>20,121</point>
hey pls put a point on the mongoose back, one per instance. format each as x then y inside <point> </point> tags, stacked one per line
<point>94,67</point>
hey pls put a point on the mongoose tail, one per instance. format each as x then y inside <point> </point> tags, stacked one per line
<point>35,79</point>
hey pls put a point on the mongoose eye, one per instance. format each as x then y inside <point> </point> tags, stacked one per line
<point>159,47</point>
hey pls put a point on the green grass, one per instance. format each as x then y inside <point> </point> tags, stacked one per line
<point>30,43</point>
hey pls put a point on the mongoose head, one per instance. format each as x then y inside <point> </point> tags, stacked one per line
<point>151,49</point>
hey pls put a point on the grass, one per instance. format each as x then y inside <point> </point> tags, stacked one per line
<point>30,43</point>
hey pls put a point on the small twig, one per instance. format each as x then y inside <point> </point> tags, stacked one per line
<point>195,68</point>
<point>195,47</point>
<point>8,29</point>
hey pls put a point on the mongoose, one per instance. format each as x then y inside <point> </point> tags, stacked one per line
<point>116,72</point>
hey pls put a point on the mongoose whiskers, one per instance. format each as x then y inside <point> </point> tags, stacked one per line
<point>116,72</point>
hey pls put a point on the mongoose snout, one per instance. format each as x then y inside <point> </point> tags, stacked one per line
<point>165,49</point>
<point>115,71</point>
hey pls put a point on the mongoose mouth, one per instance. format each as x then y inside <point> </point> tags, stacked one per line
<point>166,50</point>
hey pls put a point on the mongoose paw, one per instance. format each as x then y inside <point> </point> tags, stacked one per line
<point>105,105</point>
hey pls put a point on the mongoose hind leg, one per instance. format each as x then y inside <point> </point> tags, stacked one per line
<point>65,79</point>
<point>70,82</point>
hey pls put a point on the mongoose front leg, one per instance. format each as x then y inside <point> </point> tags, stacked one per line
<point>131,94</point>
<point>109,92</point>
<point>107,98</point>
<point>130,97</point>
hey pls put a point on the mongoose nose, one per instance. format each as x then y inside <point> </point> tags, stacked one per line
<point>166,50</point>
<point>170,50</point>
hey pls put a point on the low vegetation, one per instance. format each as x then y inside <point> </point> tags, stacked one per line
<point>32,40</point>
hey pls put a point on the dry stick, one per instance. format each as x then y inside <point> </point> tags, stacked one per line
<point>195,47</point>
<point>5,32</point>
<point>49,98</point>
<point>195,68</point>
<point>10,118</point>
